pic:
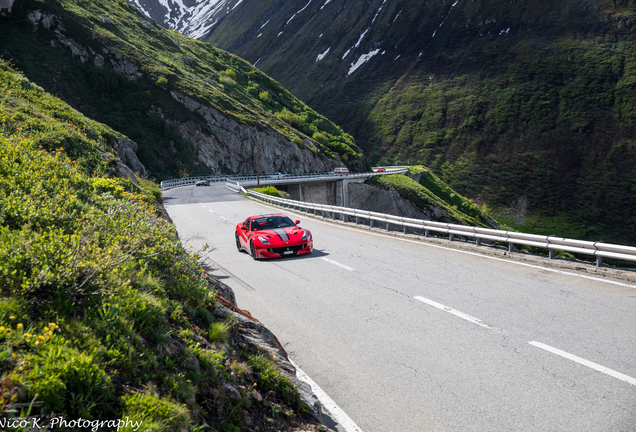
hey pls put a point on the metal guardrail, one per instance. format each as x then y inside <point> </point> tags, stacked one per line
<point>167,184</point>
<point>247,180</point>
<point>597,249</point>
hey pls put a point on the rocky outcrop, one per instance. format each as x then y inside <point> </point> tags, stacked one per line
<point>127,152</point>
<point>109,57</point>
<point>253,333</point>
<point>367,197</point>
<point>225,141</point>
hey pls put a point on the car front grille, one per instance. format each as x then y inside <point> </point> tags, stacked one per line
<point>282,250</point>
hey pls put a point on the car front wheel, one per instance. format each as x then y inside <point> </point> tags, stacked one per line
<point>253,250</point>
<point>238,243</point>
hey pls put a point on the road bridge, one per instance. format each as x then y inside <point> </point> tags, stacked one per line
<point>322,188</point>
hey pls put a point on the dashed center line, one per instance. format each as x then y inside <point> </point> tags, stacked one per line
<point>543,346</point>
<point>211,211</point>
<point>223,218</point>
<point>462,315</point>
<point>338,264</point>
<point>584,362</point>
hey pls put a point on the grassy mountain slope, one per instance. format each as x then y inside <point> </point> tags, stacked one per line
<point>504,101</point>
<point>109,61</point>
<point>103,315</point>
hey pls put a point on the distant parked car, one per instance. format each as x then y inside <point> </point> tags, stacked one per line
<point>381,170</point>
<point>277,176</point>
<point>203,183</point>
<point>341,171</point>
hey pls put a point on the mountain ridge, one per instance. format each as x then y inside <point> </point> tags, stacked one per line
<point>186,104</point>
<point>504,101</point>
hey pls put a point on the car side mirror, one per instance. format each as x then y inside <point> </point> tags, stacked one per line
<point>297,222</point>
<point>243,227</point>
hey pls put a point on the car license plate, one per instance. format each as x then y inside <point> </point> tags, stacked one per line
<point>288,252</point>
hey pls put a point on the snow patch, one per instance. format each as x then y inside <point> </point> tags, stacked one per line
<point>322,56</point>
<point>398,14</point>
<point>264,25</point>
<point>346,54</point>
<point>397,57</point>
<point>237,3</point>
<point>360,39</point>
<point>297,12</point>
<point>279,34</point>
<point>326,3</point>
<point>362,60</point>
<point>376,15</point>
<point>449,12</point>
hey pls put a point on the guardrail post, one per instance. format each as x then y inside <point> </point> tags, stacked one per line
<point>511,247</point>
<point>451,237</point>
<point>387,226</point>
<point>370,223</point>
<point>551,253</point>
<point>427,233</point>
<point>477,241</point>
<point>599,261</point>
<point>403,228</point>
<point>357,220</point>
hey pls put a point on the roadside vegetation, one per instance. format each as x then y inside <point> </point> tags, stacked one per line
<point>103,313</point>
<point>271,190</point>
<point>158,62</point>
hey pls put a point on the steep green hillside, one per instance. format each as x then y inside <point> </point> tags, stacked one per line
<point>107,60</point>
<point>103,315</point>
<point>527,100</point>
<point>555,126</point>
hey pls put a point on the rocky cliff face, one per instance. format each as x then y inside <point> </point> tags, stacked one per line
<point>226,144</point>
<point>371,198</point>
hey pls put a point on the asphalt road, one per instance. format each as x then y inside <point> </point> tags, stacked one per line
<point>408,336</point>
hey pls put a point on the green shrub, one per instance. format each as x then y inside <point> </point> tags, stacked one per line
<point>219,332</point>
<point>230,74</point>
<point>271,190</point>
<point>157,414</point>
<point>321,138</point>
<point>162,81</point>
<point>271,379</point>
<point>68,381</point>
<point>265,96</point>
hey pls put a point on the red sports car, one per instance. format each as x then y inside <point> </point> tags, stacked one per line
<point>272,236</point>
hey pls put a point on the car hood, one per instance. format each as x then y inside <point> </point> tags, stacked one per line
<point>282,234</point>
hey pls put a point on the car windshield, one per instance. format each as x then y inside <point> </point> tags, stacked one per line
<point>271,222</point>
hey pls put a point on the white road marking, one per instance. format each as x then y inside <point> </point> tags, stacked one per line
<point>338,414</point>
<point>338,264</point>
<point>584,362</point>
<point>462,315</point>
<point>456,250</point>
<point>223,218</point>
<point>202,206</point>
<point>211,211</point>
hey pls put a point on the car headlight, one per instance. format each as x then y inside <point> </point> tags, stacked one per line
<point>263,240</point>
<point>306,235</point>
